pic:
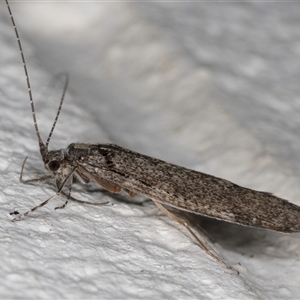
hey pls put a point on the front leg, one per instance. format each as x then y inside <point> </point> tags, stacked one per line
<point>38,179</point>
<point>59,191</point>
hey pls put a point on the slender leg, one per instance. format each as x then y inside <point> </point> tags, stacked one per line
<point>45,202</point>
<point>33,209</point>
<point>41,178</point>
<point>68,195</point>
<point>201,244</point>
<point>199,227</point>
<point>84,202</point>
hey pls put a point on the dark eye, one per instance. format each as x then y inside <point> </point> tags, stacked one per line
<point>54,165</point>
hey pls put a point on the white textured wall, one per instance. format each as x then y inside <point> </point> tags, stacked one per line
<point>210,86</point>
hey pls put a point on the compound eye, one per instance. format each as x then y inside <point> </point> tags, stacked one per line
<point>54,165</point>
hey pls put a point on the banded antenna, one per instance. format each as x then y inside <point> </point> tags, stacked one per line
<point>43,147</point>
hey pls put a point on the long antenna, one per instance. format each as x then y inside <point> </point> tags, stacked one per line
<point>60,105</point>
<point>43,147</point>
<point>41,144</point>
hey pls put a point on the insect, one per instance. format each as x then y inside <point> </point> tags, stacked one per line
<point>168,185</point>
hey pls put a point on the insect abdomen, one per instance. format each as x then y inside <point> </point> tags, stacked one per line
<point>194,191</point>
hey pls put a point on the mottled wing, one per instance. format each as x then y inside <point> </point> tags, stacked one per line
<point>190,190</point>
